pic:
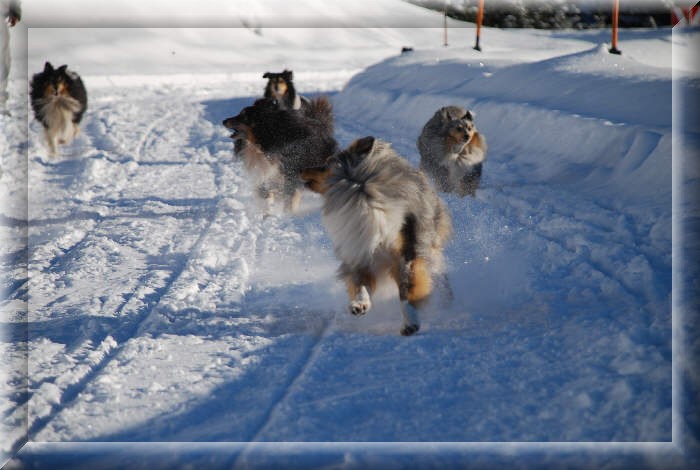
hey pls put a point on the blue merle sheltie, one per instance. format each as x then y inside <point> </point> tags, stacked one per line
<point>384,219</point>
<point>452,151</point>
<point>59,100</point>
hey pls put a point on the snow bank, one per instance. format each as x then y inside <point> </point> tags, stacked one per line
<point>560,120</point>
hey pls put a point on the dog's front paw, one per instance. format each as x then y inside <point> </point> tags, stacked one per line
<point>360,307</point>
<point>408,330</point>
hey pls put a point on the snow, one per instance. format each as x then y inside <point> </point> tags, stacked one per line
<point>146,299</point>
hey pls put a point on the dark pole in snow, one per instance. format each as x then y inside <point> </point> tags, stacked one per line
<point>615,17</point>
<point>479,18</point>
<point>444,24</point>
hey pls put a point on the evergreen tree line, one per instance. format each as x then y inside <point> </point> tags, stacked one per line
<point>556,14</point>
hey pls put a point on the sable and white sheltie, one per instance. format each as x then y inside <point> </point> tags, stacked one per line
<point>384,219</point>
<point>452,151</point>
<point>280,87</point>
<point>59,100</point>
<point>275,144</point>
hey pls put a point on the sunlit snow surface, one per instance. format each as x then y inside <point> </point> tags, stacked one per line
<point>157,304</point>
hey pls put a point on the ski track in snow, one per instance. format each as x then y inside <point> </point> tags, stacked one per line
<point>111,341</point>
<point>162,291</point>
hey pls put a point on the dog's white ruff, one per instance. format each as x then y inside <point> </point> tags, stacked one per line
<point>460,161</point>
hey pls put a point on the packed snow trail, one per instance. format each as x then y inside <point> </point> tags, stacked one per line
<point>217,308</point>
<point>173,247</point>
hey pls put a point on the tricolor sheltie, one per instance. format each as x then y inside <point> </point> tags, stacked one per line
<point>384,220</point>
<point>59,100</point>
<point>281,88</point>
<point>275,144</point>
<point>452,151</point>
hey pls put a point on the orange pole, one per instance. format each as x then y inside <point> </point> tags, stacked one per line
<point>479,18</point>
<point>615,18</point>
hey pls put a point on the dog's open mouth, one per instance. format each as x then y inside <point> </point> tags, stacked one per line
<point>238,130</point>
<point>236,133</point>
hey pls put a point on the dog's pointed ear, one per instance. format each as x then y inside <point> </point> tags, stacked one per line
<point>267,75</point>
<point>469,116</point>
<point>48,67</point>
<point>288,75</point>
<point>363,146</point>
<point>62,68</point>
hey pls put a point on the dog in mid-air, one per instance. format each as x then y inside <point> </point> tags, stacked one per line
<point>281,88</point>
<point>276,144</point>
<point>384,219</point>
<point>452,151</point>
<point>59,100</point>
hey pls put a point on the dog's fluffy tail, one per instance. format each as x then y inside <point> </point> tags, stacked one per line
<point>320,109</point>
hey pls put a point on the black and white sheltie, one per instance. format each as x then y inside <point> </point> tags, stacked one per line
<point>281,88</point>
<point>59,99</point>
<point>275,144</point>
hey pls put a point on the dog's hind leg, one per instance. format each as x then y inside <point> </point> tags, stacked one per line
<point>444,290</point>
<point>269,202</point>
<point>412,276</point>
<point>51,143</point>
<point>360,286</point>
<point>415,285</point>
<point>292,201</point>
<point>470,181</point>
<point>418,290</point>
<point>411,323</point>
<point>265,200</point>
<point>361,302</point>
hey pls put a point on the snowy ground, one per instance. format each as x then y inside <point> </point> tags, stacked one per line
<point>156,304</point>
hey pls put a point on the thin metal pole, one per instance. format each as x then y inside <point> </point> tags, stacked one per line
<point>615,18</point>
<point>444,24</point>
<point>479,18</point>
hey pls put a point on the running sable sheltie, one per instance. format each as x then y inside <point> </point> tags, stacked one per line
<point>59,100</point>
<point>452,151</point>
<point>280,87</point>
<point>384,219</point>
<point>276,144</point>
